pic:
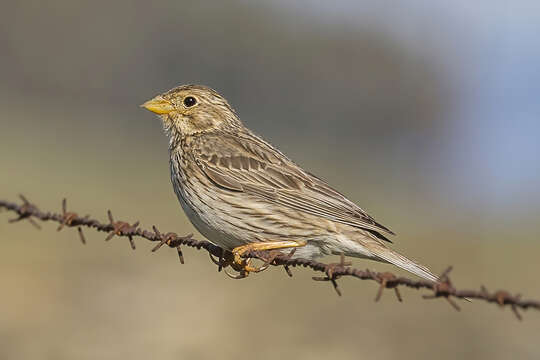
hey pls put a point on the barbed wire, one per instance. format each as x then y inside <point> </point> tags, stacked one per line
<point>332,272</point>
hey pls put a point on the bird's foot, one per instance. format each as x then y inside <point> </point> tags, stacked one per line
<point>243,265</point>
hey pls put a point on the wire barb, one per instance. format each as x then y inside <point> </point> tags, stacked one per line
<point>444,288</point>
<point>387,281</point>
<point>122,228</point>
<point>81,235</point>
<point>26,210</point>
<point>334,271</point>
<point>68,218</point>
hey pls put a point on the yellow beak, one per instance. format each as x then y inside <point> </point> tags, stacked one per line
<point>158,105</point>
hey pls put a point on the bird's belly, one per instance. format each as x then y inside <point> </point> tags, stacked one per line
<point>208,223</point>
<point>234,219</point>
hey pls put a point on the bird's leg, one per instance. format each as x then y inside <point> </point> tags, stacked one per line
<point>245,265</point>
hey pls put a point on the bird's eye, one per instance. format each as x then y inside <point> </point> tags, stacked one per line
<point>189,101</point>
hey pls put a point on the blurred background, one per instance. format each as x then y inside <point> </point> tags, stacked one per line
<point>426,113</point>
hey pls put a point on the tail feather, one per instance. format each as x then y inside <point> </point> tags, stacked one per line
<point>401,261</point>
<point>387,255</point>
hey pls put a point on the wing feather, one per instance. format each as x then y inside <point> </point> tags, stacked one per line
<point>251,165</point>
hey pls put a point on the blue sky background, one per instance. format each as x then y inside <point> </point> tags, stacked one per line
<point>490,52</point>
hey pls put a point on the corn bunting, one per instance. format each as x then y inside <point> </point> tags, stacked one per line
<point>243,194</point>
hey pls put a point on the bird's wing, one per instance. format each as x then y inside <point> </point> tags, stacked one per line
<point>246,163</point>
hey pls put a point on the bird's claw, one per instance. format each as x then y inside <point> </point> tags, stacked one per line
<point>241,265</point>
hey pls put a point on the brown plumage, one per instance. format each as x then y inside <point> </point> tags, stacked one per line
<point>237,189</point>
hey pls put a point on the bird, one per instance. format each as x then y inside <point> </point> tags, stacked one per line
<point>243,194</point>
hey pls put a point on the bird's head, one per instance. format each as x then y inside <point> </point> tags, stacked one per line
<point>190,109</point>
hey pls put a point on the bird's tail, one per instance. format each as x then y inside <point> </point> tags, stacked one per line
<point>387,255</point>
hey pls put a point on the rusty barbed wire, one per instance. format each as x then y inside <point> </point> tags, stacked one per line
<point>332,272</point>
